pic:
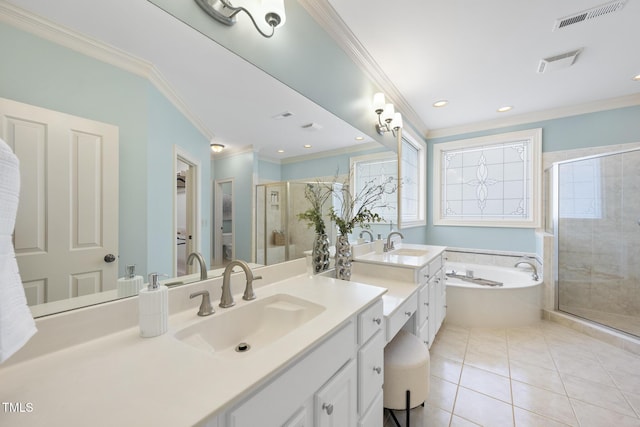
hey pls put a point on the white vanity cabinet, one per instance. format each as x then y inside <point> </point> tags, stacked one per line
<point>371,339</point>
<point>337,383</point>
<point>431,300</point>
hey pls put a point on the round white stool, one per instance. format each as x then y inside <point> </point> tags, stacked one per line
<point>406,374</point>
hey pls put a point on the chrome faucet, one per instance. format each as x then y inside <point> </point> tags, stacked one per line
<point>226,300</point>
<point>390,246</point>
<point>369,233</point>
<point>203,265</point>
<point>527,260</point>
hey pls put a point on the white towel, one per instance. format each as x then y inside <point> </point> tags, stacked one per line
<point>16,322</point>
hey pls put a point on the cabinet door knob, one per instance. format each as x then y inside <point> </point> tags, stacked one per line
<point>328,407</point>
<point>377,320</point>
<point>377,369</point>
<point>426,304</point>
<point>408,313</point>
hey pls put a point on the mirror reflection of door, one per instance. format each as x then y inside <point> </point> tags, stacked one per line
<point>66,231</point>
<point>223,250</point>
<point>186,194</point>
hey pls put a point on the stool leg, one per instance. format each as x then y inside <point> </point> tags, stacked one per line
<point>408,409</point>
<point>395,420</point>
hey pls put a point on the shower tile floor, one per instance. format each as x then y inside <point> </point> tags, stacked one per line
<point>543,375</point>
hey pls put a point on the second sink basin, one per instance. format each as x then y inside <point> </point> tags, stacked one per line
<point>250,327</point>
<point>409,252</point>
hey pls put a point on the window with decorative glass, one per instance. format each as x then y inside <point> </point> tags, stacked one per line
<point>491,181</point>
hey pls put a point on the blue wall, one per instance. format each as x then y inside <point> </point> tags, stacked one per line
<point>167,127</point>
<point>42,73</point>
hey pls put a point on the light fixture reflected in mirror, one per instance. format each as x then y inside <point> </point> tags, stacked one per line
<point>388,119</point>
<point>223,11</point>
<point>216,148</point>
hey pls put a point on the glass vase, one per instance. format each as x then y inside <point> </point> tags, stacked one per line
<point>343,258</point>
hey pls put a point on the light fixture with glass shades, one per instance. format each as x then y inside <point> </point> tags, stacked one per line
<point>223,11</point>
<point>388,119</point>
<point>216,148</point>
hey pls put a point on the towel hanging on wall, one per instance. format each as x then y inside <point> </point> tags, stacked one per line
<point>16,322</point>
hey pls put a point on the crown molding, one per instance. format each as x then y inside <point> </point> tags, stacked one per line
<point>326,16</point>
<point>93,48</point>
<point>538,116</point>
<point>230,152</point>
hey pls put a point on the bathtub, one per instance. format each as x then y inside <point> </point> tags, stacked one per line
<point>518,302</point>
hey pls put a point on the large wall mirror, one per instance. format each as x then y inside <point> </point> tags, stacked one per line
<point>162,160</point>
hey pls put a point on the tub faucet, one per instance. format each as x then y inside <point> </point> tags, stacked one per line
<point>226,300</point>
<point>390,246</point>
<point>369,233</point>
<point>527,260</point>
<point>203,265</point>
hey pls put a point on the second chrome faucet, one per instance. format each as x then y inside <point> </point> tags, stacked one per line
<point>226,300</point>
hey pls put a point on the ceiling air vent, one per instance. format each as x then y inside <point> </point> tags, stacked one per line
<point>282,115</point>
<point>312,126</point>
<point>564,60</point>
<point>592,13</point>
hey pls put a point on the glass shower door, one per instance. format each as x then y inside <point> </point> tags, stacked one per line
<point>598,219</point>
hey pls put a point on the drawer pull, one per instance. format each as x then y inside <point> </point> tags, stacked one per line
<point>328,408</point>
<point>408,313</point>
<point>377,369</point>
<point>377,320</point>
<point>426,304</point>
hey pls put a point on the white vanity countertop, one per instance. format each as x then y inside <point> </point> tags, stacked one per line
<point>400,260</point>
<point>398,291</point>
<point>123,379</point>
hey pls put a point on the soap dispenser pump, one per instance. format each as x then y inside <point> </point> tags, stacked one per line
<point>130,284</point>
<point>153,304</point>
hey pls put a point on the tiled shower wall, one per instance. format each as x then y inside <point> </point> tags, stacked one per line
<point>599,243</point>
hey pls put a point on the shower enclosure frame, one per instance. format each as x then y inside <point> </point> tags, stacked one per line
<point>552,189</point>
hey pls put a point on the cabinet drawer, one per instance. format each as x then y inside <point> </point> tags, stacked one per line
<point>370,321</point>
<point>423,305</point>
<point>370,371</point>
<point>374,417</point>
<point>396,321</point>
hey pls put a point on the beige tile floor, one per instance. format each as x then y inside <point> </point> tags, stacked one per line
<point>542,375</point>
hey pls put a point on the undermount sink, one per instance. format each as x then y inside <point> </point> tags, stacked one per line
<point>409,252</point>
<point>248,328</point>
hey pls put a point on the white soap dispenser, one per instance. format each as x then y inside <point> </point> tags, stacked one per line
<point>130,284</point>
<point>153,305</point>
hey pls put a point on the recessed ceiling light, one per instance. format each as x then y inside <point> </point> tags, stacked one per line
<point>307,145</point>
<point>440,103</point>
<point>359,138</point>
<point>504,109</point>
<point>280,151</point>
<point>636,78</point>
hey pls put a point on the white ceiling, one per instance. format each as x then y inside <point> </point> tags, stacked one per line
<point>477,55</point>
<point>482,55</point>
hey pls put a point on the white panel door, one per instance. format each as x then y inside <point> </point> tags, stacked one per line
<point>67,218</point>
